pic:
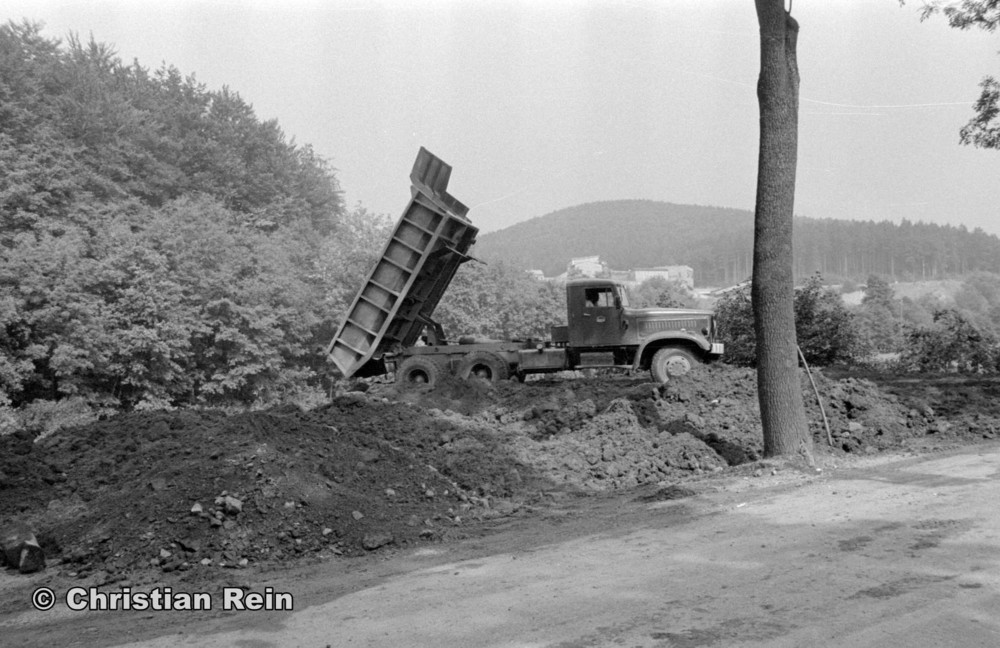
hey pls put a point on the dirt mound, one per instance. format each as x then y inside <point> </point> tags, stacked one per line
<point>612,450</point>
<point>195,493</point>
<point>449,394</point>
<point>947,407</point>
<point>720,407</point>
<point>171,491</point>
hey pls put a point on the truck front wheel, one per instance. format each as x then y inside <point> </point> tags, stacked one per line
<point>418,371</point>
<point>671,361</point>
<point>485,365</point>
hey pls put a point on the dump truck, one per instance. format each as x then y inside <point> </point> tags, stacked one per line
<point>389,327</point>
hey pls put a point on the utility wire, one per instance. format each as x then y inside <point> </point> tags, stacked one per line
<point>874,107</point>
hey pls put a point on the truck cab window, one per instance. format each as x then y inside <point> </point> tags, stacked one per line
<point>599,298</point>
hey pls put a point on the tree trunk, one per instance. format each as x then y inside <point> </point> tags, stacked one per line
<point>779,388</point>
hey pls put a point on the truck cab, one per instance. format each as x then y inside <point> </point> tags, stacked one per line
<point>604,330</point>
<point>597,314</point>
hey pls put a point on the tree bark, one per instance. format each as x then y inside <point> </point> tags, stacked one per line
<point>773,289</point>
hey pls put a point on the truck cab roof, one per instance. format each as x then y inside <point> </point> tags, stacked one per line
<point>587,282</point>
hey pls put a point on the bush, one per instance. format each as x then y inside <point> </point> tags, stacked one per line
<point>879,328</point>
<point>734,319</point>
<point>951,343</point>
<point>43,417</point>
<point>825,328</point>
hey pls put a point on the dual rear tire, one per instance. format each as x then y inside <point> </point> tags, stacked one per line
<point>484,366</point>
<point>426,371</point>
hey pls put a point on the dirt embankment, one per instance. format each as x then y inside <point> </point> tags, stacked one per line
<point>197,495</point>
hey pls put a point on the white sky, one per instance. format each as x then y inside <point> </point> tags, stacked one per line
<point>545,104</point>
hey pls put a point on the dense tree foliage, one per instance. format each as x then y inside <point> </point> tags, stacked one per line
<point>979,298</point>
<point>734,317</point>
<point>826,330</point>
<point>880,329</point>
<point>80,129</point>
<point>161,245</point>
<point>932,326</point>
<point>878,292</point>
<point>657,292</point>
<point>718,242</point>
<point>927,334</point>
<point>499,301</point>
<point>950,343</point>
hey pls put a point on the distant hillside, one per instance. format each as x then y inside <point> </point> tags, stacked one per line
<point>718,243</point>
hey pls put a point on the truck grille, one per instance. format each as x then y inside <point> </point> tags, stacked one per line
<point>654,326</point>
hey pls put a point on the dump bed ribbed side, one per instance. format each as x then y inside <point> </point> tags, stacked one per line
<point>429,242</point>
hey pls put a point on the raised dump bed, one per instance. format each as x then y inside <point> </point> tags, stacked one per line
<point>395,304</point>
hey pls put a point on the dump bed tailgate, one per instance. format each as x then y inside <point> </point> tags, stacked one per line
<point>429,242</point>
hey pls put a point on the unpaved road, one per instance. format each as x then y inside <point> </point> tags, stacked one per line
<point>905,553</point>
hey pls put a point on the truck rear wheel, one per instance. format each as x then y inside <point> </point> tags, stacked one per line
<point>484,365</point>
<point>418,371</point>
<point>671,361</point>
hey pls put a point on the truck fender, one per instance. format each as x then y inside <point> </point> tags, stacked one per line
<point>665,339</point>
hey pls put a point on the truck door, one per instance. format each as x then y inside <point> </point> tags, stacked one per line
<point>595,318</point>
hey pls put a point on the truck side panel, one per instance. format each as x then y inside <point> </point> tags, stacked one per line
<point>429,242</point>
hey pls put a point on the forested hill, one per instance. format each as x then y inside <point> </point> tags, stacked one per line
<point>161,244</point>
<point>718,243</point>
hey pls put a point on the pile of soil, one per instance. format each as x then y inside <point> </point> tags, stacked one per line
<point>171,491</point>
<point>948,407</point>
<point>195,494</point>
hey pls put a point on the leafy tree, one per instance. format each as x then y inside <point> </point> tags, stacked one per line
<point>734,318</point>
<point>80,127</point>
<point>180,304</point>
<point>878,327</point>
<point>343,258</point>
<point>878,292</point>
<point>826,330</point>
<point>256,308</point>
<point>980,298</point>
<point>951,342</point>
<point>779,390</point>
<point>53,327</point>
<point>161,244</point>
<point>824,326</point>
<point>500,301</point>
<point>983,130</point>
<point>660,293</point>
